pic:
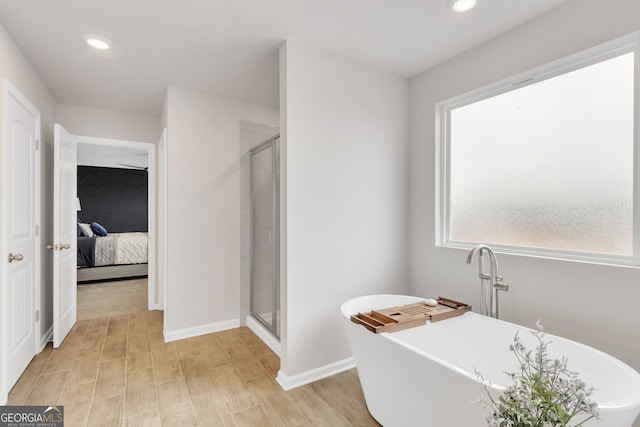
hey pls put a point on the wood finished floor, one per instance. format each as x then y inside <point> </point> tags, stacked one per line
<point>112,298</point>
<point>117,371</point>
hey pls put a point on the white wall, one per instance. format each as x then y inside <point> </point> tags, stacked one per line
<point>15,67</point>
<point>593,304</point>
<point>203,149</point>
<point>108,124</point>
<point>344,143</point>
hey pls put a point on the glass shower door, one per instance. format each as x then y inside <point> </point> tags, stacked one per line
<point>265,296</point>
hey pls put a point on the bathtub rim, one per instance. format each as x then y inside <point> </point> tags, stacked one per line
<point>630,402</point>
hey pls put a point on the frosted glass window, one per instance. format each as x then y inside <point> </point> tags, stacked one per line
<point>547,164</point>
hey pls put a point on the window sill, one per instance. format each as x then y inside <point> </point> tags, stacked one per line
<point>553,255</point>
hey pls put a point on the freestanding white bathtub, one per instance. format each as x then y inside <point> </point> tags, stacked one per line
<point>424,376</point>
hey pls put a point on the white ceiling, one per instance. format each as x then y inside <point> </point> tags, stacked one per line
<point>229,47</point>
<point>112,157</point>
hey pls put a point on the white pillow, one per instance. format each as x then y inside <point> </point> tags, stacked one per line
<point>85,229</point>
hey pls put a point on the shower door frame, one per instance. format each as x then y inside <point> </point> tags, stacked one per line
<point>269,143</point>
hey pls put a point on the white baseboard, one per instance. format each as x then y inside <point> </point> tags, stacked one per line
<point>290,382</point>
<point>262,333</point>
<point>4,398</point>
<point>48,336</point>
<point>195,331</point>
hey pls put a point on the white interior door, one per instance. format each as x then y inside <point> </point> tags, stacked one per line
<point>21,243</point>
<point>65,155</point>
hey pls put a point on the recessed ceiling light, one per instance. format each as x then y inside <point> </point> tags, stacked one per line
<point>97,42</point>
<point>463,5</point>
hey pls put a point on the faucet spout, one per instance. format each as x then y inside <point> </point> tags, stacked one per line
<point>472,255</point>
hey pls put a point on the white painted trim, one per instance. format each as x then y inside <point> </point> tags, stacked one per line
<point>8,89</point>
<point>290,382</point>
<point>47,337</point>
<point>262,333</point>
<point>196,331</point>
<point>3,399</point>
<point>152,214</point>
<point>163,228</point>
<point>161,216</point>
<point>153,302</point>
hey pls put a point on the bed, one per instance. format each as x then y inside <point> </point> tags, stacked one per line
<point>113,256</point>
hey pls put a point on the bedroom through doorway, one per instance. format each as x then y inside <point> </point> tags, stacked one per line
<point>116,224</point>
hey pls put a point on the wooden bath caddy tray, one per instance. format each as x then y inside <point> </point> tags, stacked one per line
<point>410,315</point>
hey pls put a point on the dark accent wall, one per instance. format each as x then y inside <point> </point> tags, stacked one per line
<point>114,198</point>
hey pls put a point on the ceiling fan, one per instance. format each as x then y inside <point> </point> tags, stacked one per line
<point>142,168</point>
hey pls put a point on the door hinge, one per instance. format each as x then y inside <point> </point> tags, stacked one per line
<point>37,230</point>
<point>37,144</point>
<point>37,315</point>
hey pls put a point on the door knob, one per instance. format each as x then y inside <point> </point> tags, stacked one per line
<point>57,247</point>
<point>16,257</point>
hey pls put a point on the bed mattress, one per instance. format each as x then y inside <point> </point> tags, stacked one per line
<point>113,249</point>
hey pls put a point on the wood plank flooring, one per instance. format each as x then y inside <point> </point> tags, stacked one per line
<point>117,371</point>
<point>106,299</point>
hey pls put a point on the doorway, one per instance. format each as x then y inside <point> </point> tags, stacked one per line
<point>265,233</point>
<point>134,156</point>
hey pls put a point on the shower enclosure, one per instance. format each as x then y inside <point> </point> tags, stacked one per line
<point>265,242</point>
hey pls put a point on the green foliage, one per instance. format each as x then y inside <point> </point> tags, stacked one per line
<point>544,392</point>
